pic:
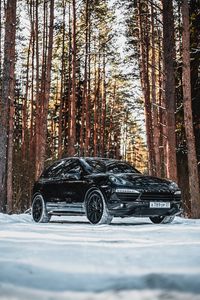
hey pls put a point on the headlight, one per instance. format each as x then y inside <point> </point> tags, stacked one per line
<point>177,193</point>
<point>117,180</point>
<point>173,186</point>
<point>130,191</point>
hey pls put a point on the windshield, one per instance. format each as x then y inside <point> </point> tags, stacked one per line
<point>97,166</point>
<point>103,166</point>
<point>121,167</point>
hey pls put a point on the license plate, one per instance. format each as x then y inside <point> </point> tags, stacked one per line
<point>159,204</point>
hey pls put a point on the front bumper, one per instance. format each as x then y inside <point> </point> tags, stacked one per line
<point>143,210</point>
<point>139,206</point>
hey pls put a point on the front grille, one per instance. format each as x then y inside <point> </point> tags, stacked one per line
<point>127,196</point>
<point>157,197</point>
<point>148,196</point>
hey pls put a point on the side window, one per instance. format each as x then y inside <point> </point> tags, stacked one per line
<point>62,168</point>
<point>53,170</point>
<point>73,167</point>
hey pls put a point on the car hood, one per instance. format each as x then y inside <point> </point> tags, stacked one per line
<point>146,183</point>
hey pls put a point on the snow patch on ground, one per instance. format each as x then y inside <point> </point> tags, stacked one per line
<point>70,259</point>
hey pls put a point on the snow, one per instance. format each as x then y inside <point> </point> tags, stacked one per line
<point>70,259</point>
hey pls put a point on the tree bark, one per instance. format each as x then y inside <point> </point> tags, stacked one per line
<point>95,104</point>
<point>86,82</point>
<point>188,120</point>
<point>155,114</point>
<point>7,106</point>
<point>72,115</point>
<point>69,85</point>
<point>45,94</point>
<point>169,86</point>
<point>33,12</point>
<point>61,112</point>
<point>0,54</point>
<point>24,107</point>
<point>103,112</point>
<point>144,72</point>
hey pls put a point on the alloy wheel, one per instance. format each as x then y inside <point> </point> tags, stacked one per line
<point>94,208</point>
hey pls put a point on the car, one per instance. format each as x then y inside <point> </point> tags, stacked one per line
<point>103,188</point>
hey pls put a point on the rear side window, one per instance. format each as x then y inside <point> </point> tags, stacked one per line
<point>71,167</point>
<point>53,171</point>
<point>61,168</point>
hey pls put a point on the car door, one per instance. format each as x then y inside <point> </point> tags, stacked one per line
<point>72,184</point>
<point>49,182</point>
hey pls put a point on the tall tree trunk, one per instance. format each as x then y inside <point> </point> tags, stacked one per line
<point>86,80</point>
<point>0,53</point>
<point>69,84</point>
<point>88,100</point>
<point>95,104</point>
<point>34,42</point>
<point>72,115</point>
<point>111,123</point>
<point>7,106</point>
<point>188,120</point>
<point>103,112</point>
<point>98,102</point>
<point>144,71</point>
<point>11,112</point>
<point>161,112</point>
<point>169,86</point>
<point>61,112</point>
<point>40,90</point>
<point>155,108</point>
<point>24,106</point>
<point>84,136</point>
<point>45,92</point>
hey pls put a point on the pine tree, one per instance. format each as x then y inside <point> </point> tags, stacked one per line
<point>188,120</point>
<point>7,108</point>
<point>169,87</point>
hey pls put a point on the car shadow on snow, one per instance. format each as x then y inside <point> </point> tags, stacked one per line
<point>88,223</point>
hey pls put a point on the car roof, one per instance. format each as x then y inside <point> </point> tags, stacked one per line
<point>106,161</point>
<point>102,159</point>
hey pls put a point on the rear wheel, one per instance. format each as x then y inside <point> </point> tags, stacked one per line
<point>39,212</point>
<point>96,210</point>
<point>162,219</point>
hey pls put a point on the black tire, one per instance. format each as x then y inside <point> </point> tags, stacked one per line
<point>39,213</point>
<point>162,219</point>
<point>96,210</point>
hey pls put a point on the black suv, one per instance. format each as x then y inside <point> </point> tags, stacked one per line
<point>102,189</point>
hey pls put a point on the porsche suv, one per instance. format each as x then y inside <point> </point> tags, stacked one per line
<point>102,189</point>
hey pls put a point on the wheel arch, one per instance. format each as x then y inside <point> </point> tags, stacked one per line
<point>93,188</point>
<point>37,194</point>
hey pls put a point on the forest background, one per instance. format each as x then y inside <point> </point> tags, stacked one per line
<point>106,78</point>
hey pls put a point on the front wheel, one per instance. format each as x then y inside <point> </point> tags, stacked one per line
<point>39,213</point>
<point>162,219</point>
<point>96,209</point>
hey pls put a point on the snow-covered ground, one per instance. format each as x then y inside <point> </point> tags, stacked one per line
<point>71,259</point>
